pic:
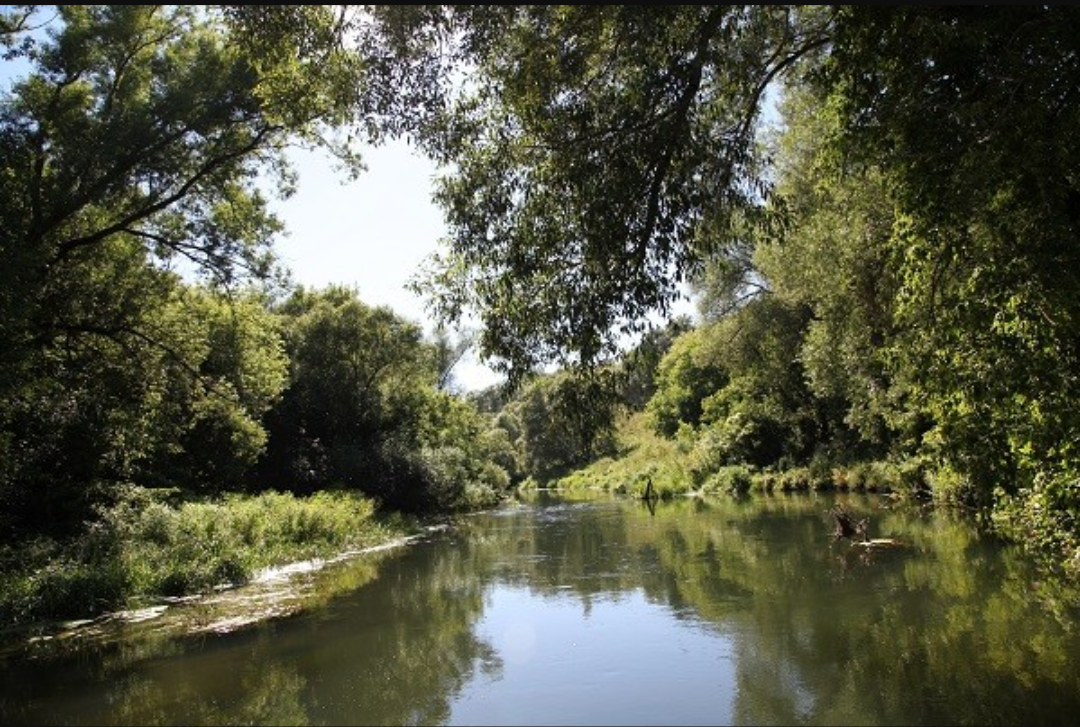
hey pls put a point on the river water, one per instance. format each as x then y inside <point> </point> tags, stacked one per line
<point>591,611</point>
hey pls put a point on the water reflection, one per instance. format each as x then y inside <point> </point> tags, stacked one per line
<point>606,611</point>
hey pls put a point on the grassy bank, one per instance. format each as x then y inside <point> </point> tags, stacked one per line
<point>686,468</point>
<point>1040,525</point>
<point>642,456</point>
<point>147,548</point>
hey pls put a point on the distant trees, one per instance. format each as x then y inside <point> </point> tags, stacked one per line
<point>363,411</point>
<point>565,422</point>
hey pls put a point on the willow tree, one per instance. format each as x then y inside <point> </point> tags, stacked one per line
<point>136,142</point>
<point>598,154</point>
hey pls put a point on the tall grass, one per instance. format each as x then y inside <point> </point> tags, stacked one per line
<point>146,548</point>
<point>642,456</point>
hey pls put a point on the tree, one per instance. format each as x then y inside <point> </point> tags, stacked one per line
<point>598,154</point>
<point>765,415</point>
<point>735,390</point>
<point>176,400</point>
<point>832,255</point>
<point>562,421</point>
<point>687,374</point>
<point>355,376</point>
<point>973,133</point>
<point>211,420</point>
<point>364,410</point>
<point>131,151</point>
<point>638,367</point>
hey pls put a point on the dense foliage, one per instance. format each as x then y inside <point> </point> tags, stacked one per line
<point>895,265</point>
<point>150,337</point>
<point>878,208</point>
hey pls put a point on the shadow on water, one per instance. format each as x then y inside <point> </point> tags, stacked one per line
<point>595,610</point>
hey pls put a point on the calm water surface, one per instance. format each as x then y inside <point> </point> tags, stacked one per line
<point>588,612</point>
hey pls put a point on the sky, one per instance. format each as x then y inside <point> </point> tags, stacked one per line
<point>372,233</point>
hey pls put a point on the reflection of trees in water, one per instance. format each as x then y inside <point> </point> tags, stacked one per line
<point>392,652</point>
<point>940,631</point>
<point>266,694</point>
<point>574,549</point>
<point>396,652</point>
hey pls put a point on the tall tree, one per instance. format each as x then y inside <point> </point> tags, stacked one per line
<point>131,148</point>
<point>355,373</point>
<point>363,410</point>
<point>970,113</point>
<point>599,153</point>
<point>832,254</point>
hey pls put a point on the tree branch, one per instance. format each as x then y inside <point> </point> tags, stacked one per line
<point>124,224</point>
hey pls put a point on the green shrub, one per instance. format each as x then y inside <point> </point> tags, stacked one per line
<point>729,480</point>
<point>1044,520</point>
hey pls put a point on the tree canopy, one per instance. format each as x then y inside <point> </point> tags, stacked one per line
<point>140,145</point>
<point>600,157</point>
<point>880,206</point>
<point>599,154</point>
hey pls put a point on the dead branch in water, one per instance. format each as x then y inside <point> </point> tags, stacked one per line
<point>847,526</point>
<point>855,530</point>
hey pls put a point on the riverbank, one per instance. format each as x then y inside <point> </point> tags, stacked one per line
<point>148,548</point>
<point>1037,524</point>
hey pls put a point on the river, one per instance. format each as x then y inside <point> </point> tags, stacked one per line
<point>593,610</point>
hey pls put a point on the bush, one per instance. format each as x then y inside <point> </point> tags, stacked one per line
<point>951,487</point>
<point>1045,521</point>
<point>730,480</point>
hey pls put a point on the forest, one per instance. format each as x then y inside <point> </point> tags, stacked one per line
<point>875,209</point>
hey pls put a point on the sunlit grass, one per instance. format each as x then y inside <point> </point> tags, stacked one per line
<point>643,456</point>
<point>674,469</point>
<point>146,548</point>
